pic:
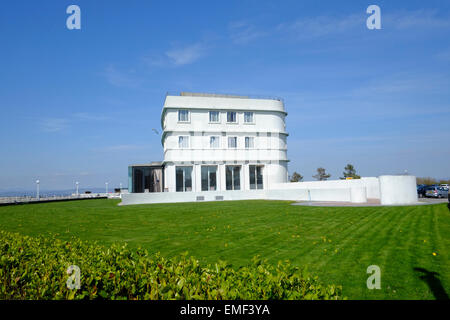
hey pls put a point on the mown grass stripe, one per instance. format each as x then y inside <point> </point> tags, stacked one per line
<point>276,230</point>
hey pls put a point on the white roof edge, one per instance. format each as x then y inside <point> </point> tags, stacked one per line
<point>223,103</point>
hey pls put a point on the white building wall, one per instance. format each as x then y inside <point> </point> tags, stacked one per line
<point>264,121</point>
<point>393,190</point>
<point>398,190</point>
<point>267,130</point>
<point>270,151</point>
<point>265,149</point>
<point>372,185</point>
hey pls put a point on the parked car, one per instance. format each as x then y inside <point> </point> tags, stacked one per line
<point>448,204</point>
<point>421,188</point>
<point>436,192</point>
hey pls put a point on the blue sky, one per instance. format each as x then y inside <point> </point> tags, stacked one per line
<point>80,105</point>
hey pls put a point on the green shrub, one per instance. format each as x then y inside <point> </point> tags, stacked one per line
<point>36,268</point>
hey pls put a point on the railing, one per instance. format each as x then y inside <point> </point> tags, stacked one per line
<point>220,95</point>
<point>30,199</point>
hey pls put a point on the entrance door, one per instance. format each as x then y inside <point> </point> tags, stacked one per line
<point>233,177</point>
<point>183,179</point>
<point>256,177</point>
<point>138,177</point>
<point>209,175</point>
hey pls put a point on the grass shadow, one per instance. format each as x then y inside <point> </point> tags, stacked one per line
<point>433,282</point>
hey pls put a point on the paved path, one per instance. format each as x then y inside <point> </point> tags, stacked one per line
<point>369,203</point>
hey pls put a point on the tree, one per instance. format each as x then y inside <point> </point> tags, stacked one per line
<point>350,172</point>
<point>431,181</point>
<point>296,177</point>
<point>426,180</point>
<point>321,175</point>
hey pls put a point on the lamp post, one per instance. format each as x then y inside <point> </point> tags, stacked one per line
<point>37,190</point>
<point>120,187</point>
<point>106,187</point>
<point>76,183</point>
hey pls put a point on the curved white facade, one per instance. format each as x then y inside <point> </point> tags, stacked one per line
<point>396,190</point>
<point>219,147</point>
<point>240,142</point>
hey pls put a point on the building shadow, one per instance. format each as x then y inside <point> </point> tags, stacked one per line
<point>433,282</point>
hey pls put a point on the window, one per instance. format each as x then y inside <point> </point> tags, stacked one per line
<point>183,115</point>
<point>209,175</point>
<point>146,179</point>
<point>249,142</point>
<point>214,142</point>
<point>232,142</point>
<point>183,142</point>
<point>183,179</point>
<point>214,116</point>
<point>248,117</point>
<point>256,177</point>
<point>232,177</point>
<point>231,117</point>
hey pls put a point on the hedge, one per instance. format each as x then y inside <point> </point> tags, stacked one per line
<point>36,268</point>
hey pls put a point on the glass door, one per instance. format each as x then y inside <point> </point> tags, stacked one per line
<point>233,177</point>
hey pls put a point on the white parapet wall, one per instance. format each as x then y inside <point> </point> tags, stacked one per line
<point>398,190</point>
<point>342,190</point>
<point>358,194</point>
<point>359,190</point>
<point>390,190</point>
<point>372,185</point>
<point>341,194</point>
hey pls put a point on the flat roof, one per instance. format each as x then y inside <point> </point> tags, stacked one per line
<point>224,102</point>
<point>222,95</point>
<point>151,164</point>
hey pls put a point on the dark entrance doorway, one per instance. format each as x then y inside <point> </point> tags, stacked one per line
<point>147,178</point>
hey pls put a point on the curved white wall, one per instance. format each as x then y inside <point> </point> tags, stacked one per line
<point>372,185</point>
<point>277,173</point>
<point>358,194</point>
<point>398,190</point>
<point>394,190</point>
<point>264,121</point>
<point>267,130</point>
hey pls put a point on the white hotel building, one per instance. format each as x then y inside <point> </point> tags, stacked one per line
<point>225,147</point>
<point>219,142</point>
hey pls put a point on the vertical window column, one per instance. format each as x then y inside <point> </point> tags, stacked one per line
<point>183,179</point>
<point>214,142</point>
<point>256,177</point>
<point>214,116</point>
<point>231,117</point>
<point>183,142</point>
<point>233,177</point>
<point>183,115</point>
<point>249,142</point>
<point>209,178</point>
<point>232,142</point>
<point>248,117</point>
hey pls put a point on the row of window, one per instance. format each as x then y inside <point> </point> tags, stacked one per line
<point>214,116</point>
<point>214,142</point>
<point>209,178</point>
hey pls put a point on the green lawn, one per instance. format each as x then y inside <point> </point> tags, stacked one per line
<point>337,244</point>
